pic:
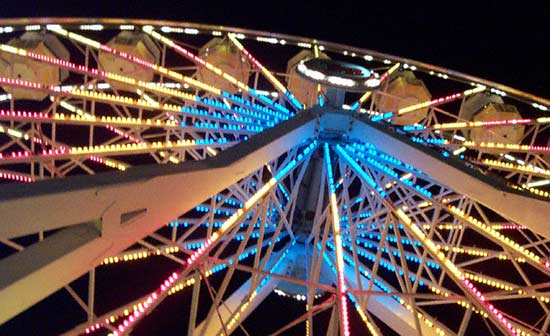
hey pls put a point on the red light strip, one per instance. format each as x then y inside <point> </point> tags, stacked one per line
<point>194,58</point>
<point>63,152</point>
<point>208,244</point>
<point>452,270</point>
<point>338,246</point>
<point>473,124</point>
<point>280,87</point>
<point>437,101</point>
<point>367,94</point>
<point>506,147</point>
<point>15,177</point>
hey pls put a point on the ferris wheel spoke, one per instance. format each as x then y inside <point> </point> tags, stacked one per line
<point>282,111</point>
<point>314,310</point>
<point>230,225</point>
<point>115,149</point>
<point>58,147</point>
<point>335,219</point>
<point>159,69</point>
<point>70,217</point>
<point>428,168</point>
<point>377,260</point>
<point>210,322</point>
<point>236,315</point>
<point>108,320</point>
<point>430,103</point>
<point>452,271</point>
<point>395,309</point>
<point>278,85</point>
<point>427,195</point>
<point>355,106</point>
<point>239,106</point>
<point>426,214</point>
<point>139,104</point>
<point>507,161</point>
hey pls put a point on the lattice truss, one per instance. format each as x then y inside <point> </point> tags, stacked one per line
<point>147,166</point>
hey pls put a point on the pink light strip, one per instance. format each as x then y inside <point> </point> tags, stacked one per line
<point>344,319</point>
<point>208,244</point>
<point>471,124</point>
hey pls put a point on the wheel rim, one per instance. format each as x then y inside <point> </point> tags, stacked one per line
<point>405,190</point>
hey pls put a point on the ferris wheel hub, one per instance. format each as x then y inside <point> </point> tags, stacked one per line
<point>339,75</point>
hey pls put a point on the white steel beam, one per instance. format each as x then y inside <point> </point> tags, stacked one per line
<point>511,204</point>
<point>52,204</point>
<point>46,266</point>
<point>234,304</point>
<point>127,206</point>
<point>388,310</point>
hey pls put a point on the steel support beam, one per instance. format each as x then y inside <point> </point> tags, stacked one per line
<point>511,204</point>
<point>388,310</point>
<point>46,266</point>
<point>231,305</point>
<point>52,204</point>
<point>127,206</point>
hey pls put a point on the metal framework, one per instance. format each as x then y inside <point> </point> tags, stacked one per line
<point>225,200</point>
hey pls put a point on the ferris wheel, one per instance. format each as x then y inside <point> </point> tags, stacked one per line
<point>161,177</point>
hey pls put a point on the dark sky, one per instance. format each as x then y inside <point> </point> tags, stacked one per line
<point>501,42</point>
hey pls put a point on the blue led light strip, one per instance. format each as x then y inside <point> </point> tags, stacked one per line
<point>362,150</point>
<point>266,119</point>
<point>390,172</point>
<point>360,171</point>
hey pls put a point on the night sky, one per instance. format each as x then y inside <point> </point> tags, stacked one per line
<point>490,39</point>
<point>502,43</point>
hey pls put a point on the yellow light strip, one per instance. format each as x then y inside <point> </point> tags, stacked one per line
<point>170,157</point>
<point>489,281</point>
<point>440,100</point>
<point>453,270</point>
<point>365,319</point>
<point>423,318</point>
<point>237,315</point>
<point>120,148</point>
<point>122,100</point>
<point>495,234</point>
<point>535,191</point>
<point>462,303</point>
<point>512,166</point>
<point>263,69</point>
<point>58,29</point>
<point>149,30</point>
<point>13,132</point>
<point>160,69</point>
<point>113,149</point>
<point>92,119</point>
<point>461,250</point>
<point>142,254</point>
<point>486,123</point>
<point>386,75</point>
<point>506,147</point>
